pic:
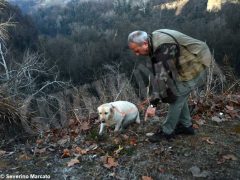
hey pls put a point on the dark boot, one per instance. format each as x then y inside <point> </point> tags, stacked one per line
<point>159,135</point>
<point>180,129</point>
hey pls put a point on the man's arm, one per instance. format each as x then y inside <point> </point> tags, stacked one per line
<point>163,57</point>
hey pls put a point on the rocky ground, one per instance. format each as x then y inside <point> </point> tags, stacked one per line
<point>77,152</point>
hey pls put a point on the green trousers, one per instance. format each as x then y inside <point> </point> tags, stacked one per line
<point>177,112</point>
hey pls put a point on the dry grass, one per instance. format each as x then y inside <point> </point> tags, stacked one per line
<point>215,79</point>
<point>12,121</point>
<point>222,81</point>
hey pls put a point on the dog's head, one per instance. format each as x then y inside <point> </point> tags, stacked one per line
<point>105,112</point>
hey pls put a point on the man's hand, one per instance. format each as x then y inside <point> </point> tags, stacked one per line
<point>150,112</point>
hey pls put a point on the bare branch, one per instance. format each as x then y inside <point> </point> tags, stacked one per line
<point>60,83</point>
<point>3,63</point>
<point>25,78</point>
<point>3,29</point>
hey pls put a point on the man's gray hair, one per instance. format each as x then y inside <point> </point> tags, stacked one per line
<point>138,37</point>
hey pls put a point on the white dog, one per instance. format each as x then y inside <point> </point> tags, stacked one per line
<point>118,113</point>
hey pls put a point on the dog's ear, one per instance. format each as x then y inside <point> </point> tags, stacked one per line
<point>112,109</point>
<point>100,109</point>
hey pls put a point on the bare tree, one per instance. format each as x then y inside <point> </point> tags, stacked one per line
<point>118,83</point>
<point>22,81</point>
<point>3,62</point>
<point>3,37</point>
<point>25,78</point>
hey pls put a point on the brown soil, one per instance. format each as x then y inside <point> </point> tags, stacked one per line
<point>215,150</point>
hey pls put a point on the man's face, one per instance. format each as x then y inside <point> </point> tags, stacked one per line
<point>142,50</point>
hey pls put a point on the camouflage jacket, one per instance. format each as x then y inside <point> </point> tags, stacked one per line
<point>193,58</point>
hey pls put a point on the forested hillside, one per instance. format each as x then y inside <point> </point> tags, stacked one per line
<point>80,37</point>
<point>22,35</point>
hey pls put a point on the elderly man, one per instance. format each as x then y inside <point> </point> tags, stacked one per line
<point>179,64</point>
